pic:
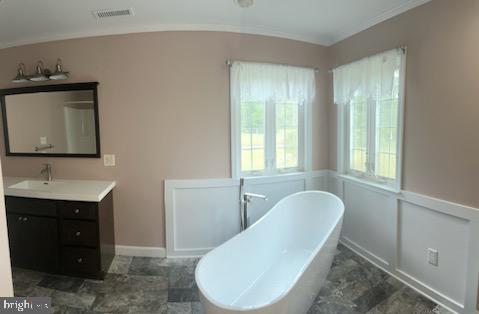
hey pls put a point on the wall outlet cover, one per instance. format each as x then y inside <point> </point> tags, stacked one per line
<point>109,160</point>
<point>43,140</point>
<point>433,257</point>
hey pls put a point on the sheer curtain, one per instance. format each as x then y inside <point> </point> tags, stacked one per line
<point>372,77</point>
<point>264,82</point>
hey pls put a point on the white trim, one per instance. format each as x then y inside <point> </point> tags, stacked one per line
<point>169,28</point>
<point>310,181</point>
<point>305,125</point>
<point>390,263</point>
<point>359,251</point>
<point>344,137</point>
<point>363,25</point>
<point>322,40</point>
<point>146,251</point>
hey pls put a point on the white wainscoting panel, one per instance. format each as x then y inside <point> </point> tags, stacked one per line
<point>394,230</point>
<point>421,228</point>
<point>368,221</point>
<point>274,191</point>
<point>391,229</point>
<point>202,214</point>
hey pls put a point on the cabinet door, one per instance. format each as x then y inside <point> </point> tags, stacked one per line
<point>33,242</point>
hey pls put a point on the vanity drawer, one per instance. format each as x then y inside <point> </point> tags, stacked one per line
<point>81,261</point>
<point>75,232</point>
<point>32,206</point>
<point>78,210</point>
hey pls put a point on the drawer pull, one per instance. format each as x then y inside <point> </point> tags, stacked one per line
<point>80,260</point>
<point>76,211</point>
<point>78,233</point>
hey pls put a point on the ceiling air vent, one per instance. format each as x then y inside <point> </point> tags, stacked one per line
<point>102,14</point>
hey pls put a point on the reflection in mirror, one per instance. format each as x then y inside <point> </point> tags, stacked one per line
<point>54,122</point>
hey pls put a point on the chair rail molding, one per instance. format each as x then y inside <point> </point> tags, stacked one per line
<point>392,229</point>
<point>395,229</point>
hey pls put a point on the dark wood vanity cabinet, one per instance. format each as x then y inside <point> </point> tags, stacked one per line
<point>65,237</point>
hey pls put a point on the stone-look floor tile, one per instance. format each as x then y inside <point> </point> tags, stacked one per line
<point>124,284</point>
<point>197,308</point>
<point>405,301</point>
<point>149,302</point>
<point>148,266</point>
<point>111,303</point>
<point>41,292</point>
<point>120,265</point>
<point>327,307</point>
<point>179,308</point>
<point>440,310</point>
<point>339,271</point>
<point>374,296</point>
<point>183,295</point>
<point>62,309</point>
<point>75,300</point>
<point>181,276</point>
<point>154,285</point>
<point>180,262</point>
<point>25,280</point>
<point>62,283</point>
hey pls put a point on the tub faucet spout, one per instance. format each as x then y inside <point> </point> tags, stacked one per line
<point>245,199</point>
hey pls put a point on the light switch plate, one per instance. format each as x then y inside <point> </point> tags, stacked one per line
<point>109,160</point>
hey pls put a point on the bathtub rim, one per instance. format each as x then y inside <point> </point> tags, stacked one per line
<point>297,277</point>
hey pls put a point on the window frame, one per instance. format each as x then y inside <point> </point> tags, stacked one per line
<point>304,141</point>
<point>343,137</point>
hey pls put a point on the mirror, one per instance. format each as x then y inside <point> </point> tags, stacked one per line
<point>54,121</point>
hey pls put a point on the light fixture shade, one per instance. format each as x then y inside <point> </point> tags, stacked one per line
<point>21,77</point>
<point>40,75</point>
<point>59,74</point>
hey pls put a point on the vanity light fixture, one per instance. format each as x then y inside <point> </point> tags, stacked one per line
<point>21,77</point>
<point>41,74</point>
<point>59,74</point>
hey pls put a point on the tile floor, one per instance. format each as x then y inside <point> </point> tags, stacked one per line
<point>154,285</point>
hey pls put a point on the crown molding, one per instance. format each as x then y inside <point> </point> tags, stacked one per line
<point>359,27</point>
<point>323,41</point>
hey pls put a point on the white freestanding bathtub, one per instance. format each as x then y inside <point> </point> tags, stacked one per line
<point>279,264</point>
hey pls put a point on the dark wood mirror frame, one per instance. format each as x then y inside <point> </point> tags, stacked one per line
<point>93,86</point>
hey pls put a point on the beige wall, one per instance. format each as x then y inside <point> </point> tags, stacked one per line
<point>441,143</point>
<point>164,112</point>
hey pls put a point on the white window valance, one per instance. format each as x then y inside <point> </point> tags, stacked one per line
<point>264,81</point>
<point>372,77</point>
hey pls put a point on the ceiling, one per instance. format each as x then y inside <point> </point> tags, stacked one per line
<point>318,21</point>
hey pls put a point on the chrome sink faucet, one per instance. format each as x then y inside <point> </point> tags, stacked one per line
<point>245,199</point>
<point>47,172</point>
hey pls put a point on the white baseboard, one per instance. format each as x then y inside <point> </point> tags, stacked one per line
<point>145,251</point>
<point>364,255</point>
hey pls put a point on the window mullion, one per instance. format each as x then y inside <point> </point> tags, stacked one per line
<point>270,145</point>
<point>371,156</point>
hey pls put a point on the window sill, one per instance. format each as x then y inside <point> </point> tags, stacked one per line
<point>371,184</point>
<point>274,177</point>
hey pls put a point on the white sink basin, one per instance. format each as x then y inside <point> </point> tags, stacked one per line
<point>37,185</point>
<point>69,190</point>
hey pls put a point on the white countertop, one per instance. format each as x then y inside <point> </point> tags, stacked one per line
<point>68,190</point>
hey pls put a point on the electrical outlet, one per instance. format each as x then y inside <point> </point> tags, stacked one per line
<point>109,160</point>
<point>433,257</point>
<point>43,140</point>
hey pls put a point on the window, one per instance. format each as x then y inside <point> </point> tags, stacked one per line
<point>269,110</point>
<point>369,94</point>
